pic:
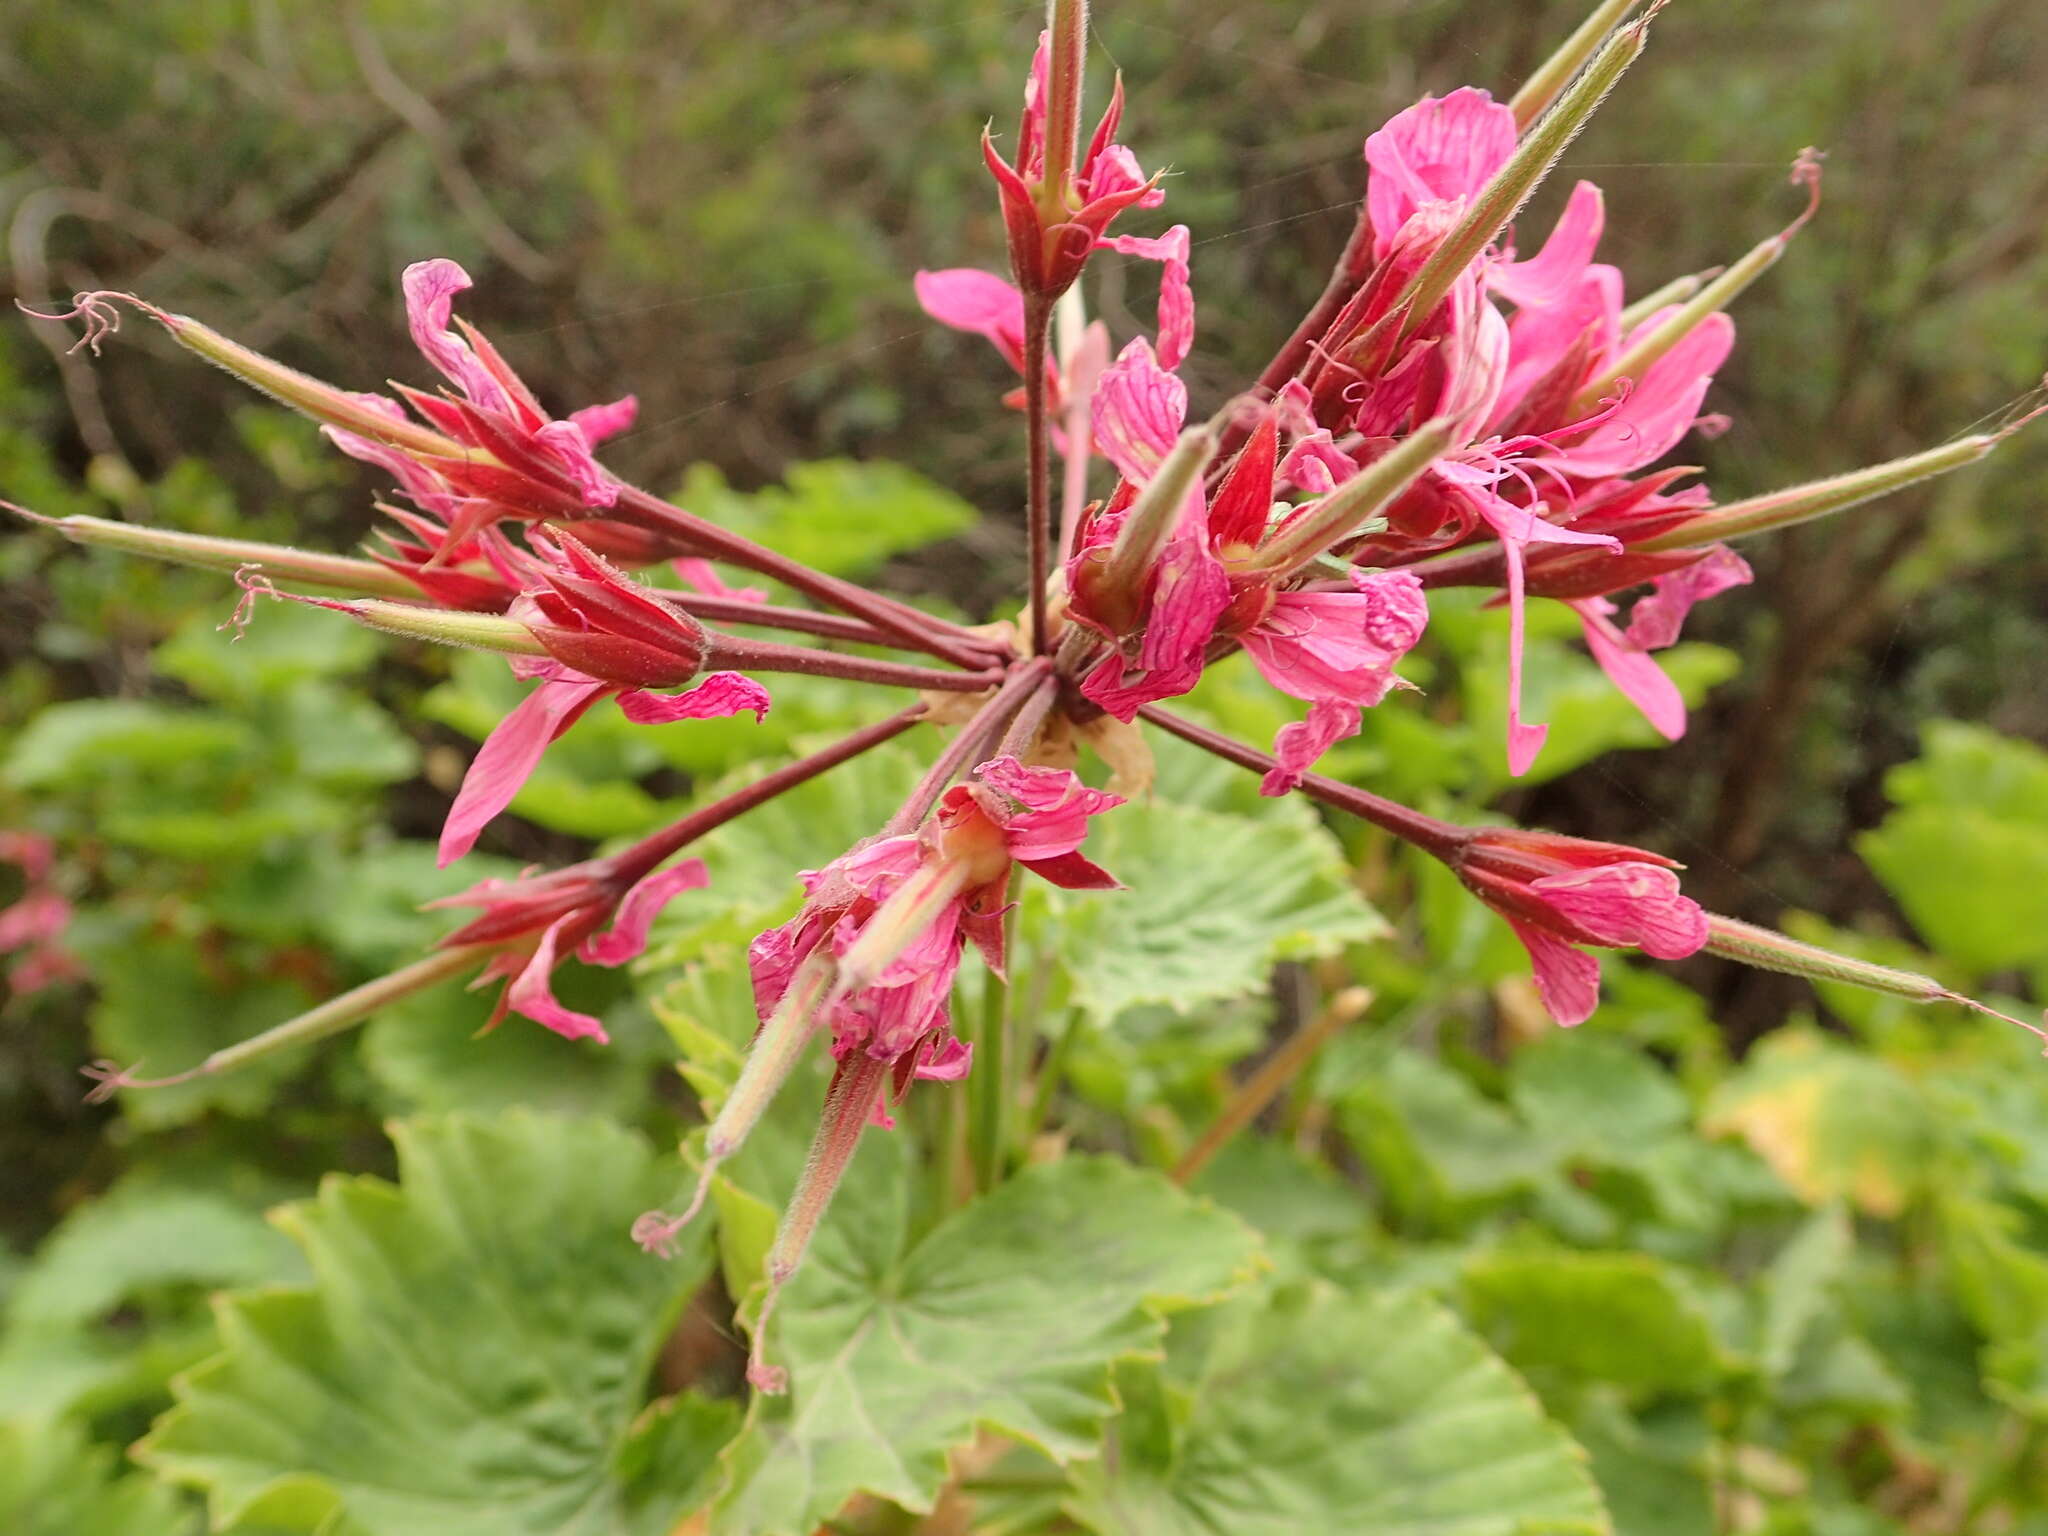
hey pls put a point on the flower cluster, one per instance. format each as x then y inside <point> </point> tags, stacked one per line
<point>1463,406</point>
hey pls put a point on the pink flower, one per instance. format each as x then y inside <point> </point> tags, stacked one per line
<point>539,920</point>
<point>34,926</point>
<point>896,914</point>
<point>1558,893</point>
<point>1337,650</point>
<point>606,637</point>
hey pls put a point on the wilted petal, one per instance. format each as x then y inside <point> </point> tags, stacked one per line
<point>1631,668</point>
<point>598,422</point>
<point>511,752</point>
<point>1567,979</point>
<point>430,288</point>
<point>722,693</point>
<point>1300,745</point>
<point>1655,620</point>
<point>1176,295</point>
<point>566,444</point>
<point>1340,646</point>
<point>637,911</point>
<point>531,994</point>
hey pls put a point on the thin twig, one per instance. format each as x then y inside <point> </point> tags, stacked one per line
<point>1272,1075</point>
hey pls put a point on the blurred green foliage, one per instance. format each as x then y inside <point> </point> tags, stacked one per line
<point>1794,1288</point>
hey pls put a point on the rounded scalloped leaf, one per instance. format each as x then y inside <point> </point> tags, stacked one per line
<point>54,1482</point>
<point>472,1356</point>
<point>1323,1411</point>
<point>1212,902</point>
<point>1008,1315</point>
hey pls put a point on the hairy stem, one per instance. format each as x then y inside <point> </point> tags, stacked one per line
<point>1438,838</point>
<point>768,656</point>
<point>1025,679</point>
<point>1037,464</point>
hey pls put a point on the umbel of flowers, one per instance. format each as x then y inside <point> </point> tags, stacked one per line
<point>1469,402</point>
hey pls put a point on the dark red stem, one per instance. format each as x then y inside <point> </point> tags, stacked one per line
<point>1438,838</point>
<point>1025,681</point>
<point>919,631</point>
<point>770,656</point>
<point>802,621</point>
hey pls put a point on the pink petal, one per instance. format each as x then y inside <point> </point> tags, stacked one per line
<point>637,910</point>
<point>877,869</point>
<point>1316,464</point>
<point>430,288</point>
<point>1137,410</point>
<point>704,577</point>
<point>1114,172</point>
<point>1299,745</point>
<point>510,754</point>
<point>531,994</point>
<point>1631,669</point>
<point>1555,271</point>
<point>35,919</point>
<point>981,302</point>
<point>1340,646</point>
<point>1627,904</point>
<point>1655,620</point>
<point>945,1060</point>
<point>1567,979</point>
<point>1524,741</point>
<point>1662,406</point>
<point>566,444</point>
<point>722,693</point>
<point>599,422</point>
<point>1432,152</point>
<point>1176,296</point>
<point>1057,806</point>
<point>1539,338</point>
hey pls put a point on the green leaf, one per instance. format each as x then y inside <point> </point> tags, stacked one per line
<point>1593,1093</point>
<point>1009,1315</point>
<point>1975,885</point>
<point>96,740</point>
<point>141,1237</point>
<point>1440,1149</point>
<point>1967,765</point>
<point>162,1009</point>
<point>1212,902</point>
<point>426,1052</point>
<point>1797,1286</point>
<point>1624,1318</point>
<point>282,647</point>
<point>1833,1123</point>
<point>838,516</point>
<point>53,1483</point>
<point>1369,1414</point>
<point>471,1358</point>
